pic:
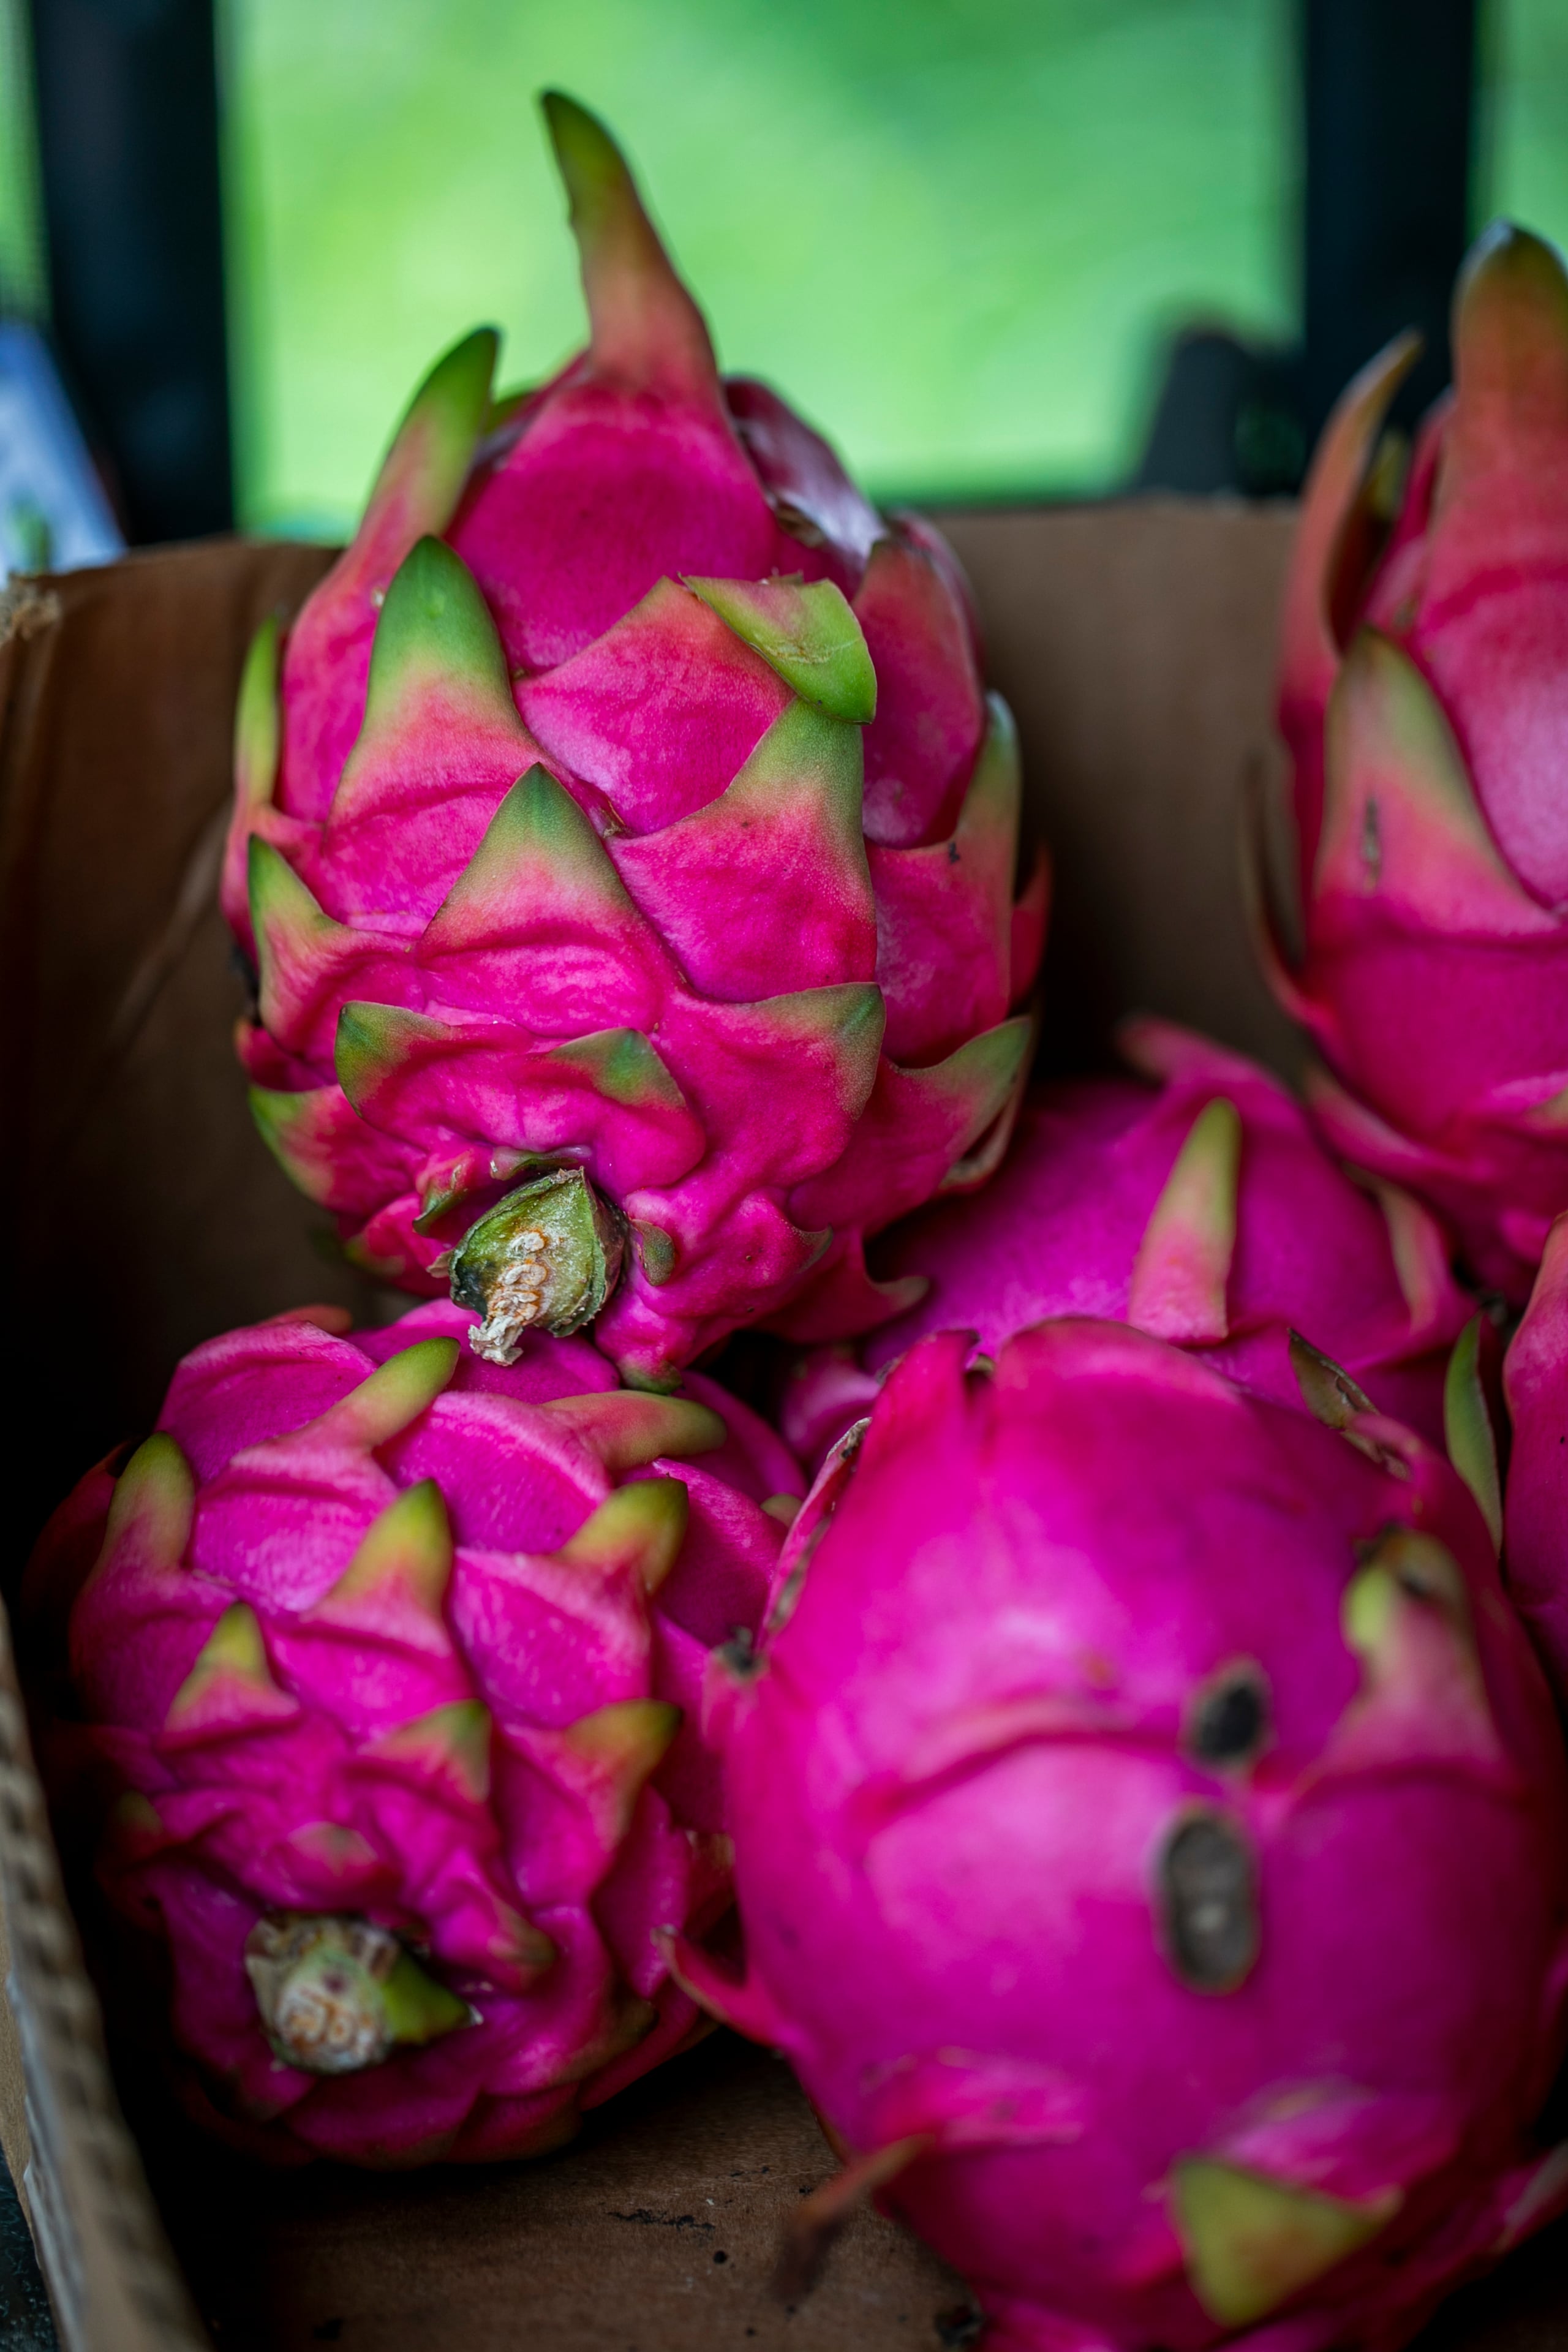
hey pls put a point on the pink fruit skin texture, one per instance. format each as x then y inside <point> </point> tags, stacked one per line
<point>1424,694</point>
<point>1067,1226</point>
<point>630,792</point>
<point>1535,1524</point>
<point>986,1707</point>
<point>488,1744</point>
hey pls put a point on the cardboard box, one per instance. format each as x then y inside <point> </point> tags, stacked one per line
<point>1135,642</point>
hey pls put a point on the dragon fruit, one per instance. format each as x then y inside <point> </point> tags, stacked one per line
<point>1149,1825</point>
<point>390,1664</point>
<point>1425,697</point>
<point>1205,1212</point>
<point>1535,1383</point>
<point>627,848</point>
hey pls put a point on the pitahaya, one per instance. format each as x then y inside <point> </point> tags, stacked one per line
<point>1425,697</point>
<point>1535,1382</point>
<point>629,871</point>
<point>389,1665</point>
<point>1204,1211</point>
<point>1149,1825</point>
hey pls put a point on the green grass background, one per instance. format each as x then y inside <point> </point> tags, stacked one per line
<point>1522,133</point>
<point>956,231</point>
<point>950,230</point>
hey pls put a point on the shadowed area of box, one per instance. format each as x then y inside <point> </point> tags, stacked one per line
<point>1136,643</point>
<point>26,2324</point>
<point>657,2229</point>
<point>615,2244</point>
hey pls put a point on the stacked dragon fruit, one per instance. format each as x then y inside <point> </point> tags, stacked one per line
<point>626,853</point>
<point>1130,1763</point>
<point>1146,1808</point>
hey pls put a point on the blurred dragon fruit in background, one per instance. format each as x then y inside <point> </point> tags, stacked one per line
<point>629,871</point>
<point>1149,1826</point>
<point>1425,698</point>
<point>1535,1380</point>
<point>392,1660</point>
<point>1204,1211</point>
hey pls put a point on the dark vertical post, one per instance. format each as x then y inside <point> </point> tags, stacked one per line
<point>1389,91</point>
<point>128,144</point>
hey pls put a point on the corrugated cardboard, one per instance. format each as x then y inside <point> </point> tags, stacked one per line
<point>1135,644</point>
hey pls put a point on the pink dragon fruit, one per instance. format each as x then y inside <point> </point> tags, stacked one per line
<point>1535,1382</point>
<point>1205,1212</point>
<point>1425,697</point>
<point>1149,1826</point>
<point>629,872</point>
<point>389,1665</point>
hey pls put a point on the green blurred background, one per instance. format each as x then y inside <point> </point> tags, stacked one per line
<point>959,233</point>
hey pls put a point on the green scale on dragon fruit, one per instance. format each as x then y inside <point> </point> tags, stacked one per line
<point>1425,697</point>
<point>1195,1203</point>
<point>1148,1820</point>
<point>387,1669</point>
<point>628,849</point>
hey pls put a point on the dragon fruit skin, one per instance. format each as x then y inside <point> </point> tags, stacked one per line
<point>1157,1879</point>
<point>1535,1520</point>
<point>1423,697</point>
<point>658,795</point>
<point>383,1638</point>
<point>1202,1209</point>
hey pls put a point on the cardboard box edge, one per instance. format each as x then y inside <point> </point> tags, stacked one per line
<point>112,2280</point>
